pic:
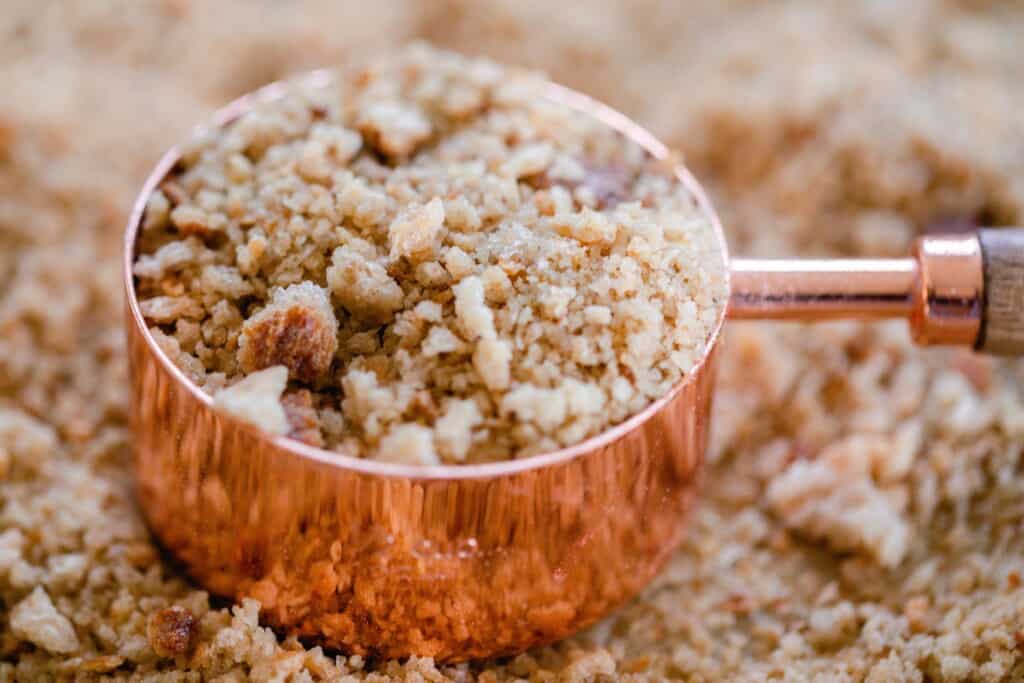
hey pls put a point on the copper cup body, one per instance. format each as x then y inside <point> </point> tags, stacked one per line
<point>454,562</point>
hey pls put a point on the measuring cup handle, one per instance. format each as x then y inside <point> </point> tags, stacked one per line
<point>1002,323</point>
<point>961,290</point>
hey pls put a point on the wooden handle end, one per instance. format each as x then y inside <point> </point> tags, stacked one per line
<point>1002,327</point>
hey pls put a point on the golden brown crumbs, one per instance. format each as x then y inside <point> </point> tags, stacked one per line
<point>823,128</point>
<point>460,283</point>
<point>171,631</point>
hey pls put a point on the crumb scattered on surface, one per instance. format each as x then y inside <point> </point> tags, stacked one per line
<point>823,129</point>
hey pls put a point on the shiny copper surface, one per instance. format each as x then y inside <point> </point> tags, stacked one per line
<point>455,562</point>
<point>821,289</point>
<point>949,290</point>
<point>939,290</point>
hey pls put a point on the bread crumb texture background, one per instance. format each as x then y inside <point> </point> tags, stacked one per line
<point>863,515</point>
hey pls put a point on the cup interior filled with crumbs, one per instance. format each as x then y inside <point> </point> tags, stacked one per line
<point>427,261</point>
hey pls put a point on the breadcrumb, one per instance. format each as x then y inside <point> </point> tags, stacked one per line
<point>257,399</point>
<point>408,444</point>
<point>414,235</point>
<point>36,619</point>
<point>363,287</point>
<point>297,329</point>
<point>171,631</point>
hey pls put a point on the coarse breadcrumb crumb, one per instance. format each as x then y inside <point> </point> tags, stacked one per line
<point>827,128</point>
<point>36,619</point>
<point>171,631</point>
<point>552,252</point>
<point>296,329</point>
<point>257,399</point>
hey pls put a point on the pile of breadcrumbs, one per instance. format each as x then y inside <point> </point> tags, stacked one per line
<point>441,263</point>
<point>862,519</point>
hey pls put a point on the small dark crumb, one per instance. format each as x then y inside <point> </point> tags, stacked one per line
<point>174,192</point>
<point>636,665</point>
<point>302,417</point>
<point>609,183</point>
<point>6,137</point>
<point>738,603</point>
<point>104,664</point>
<point>171,631</point>
<point>423,404</point>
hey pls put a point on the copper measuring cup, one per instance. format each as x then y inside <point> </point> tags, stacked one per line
<point>462,562</point>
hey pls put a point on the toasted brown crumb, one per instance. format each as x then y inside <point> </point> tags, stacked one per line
<point>916,612</point>
<point>104,664</point>
<point>738,604</point>
<point>171,631</point>
<point>296,329</point>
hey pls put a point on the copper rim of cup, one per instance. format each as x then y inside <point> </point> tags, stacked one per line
<point>556,93</point>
